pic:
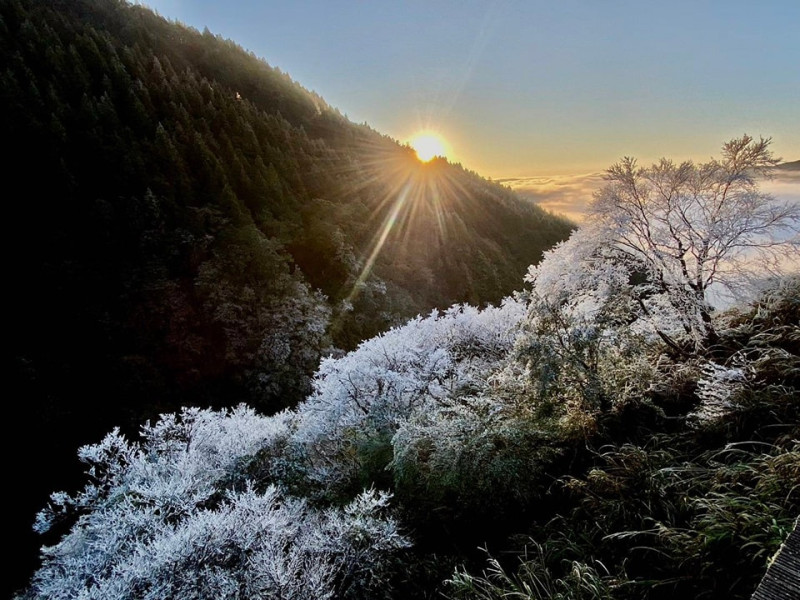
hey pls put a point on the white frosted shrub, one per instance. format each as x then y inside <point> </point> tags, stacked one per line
<point>369,393</point>
<point>158,520</point>
<point>715,390</point>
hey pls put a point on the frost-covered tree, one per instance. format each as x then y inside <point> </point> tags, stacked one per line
<point>206,504</point>
<point>361,399</point>
<point>175,516</point>
<point>638,276</point>
<point>690,226</point>
<point>430,408</point>
<point>583,342</point>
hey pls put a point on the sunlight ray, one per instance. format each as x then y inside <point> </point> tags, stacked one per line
<point>388,225</point>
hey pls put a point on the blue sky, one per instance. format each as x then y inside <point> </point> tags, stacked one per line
<point>523,88</point>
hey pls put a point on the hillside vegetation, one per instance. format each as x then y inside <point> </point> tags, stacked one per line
<point>189,226</point>
<point>603,434</point>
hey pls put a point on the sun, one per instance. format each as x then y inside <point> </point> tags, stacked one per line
<point>428,146</point>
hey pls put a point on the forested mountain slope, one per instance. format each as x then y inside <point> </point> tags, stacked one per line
<point>187,225</point>
<point>184,200</point>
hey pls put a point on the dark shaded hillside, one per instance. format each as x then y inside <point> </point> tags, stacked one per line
<point>164,173</point>
<point>189,226</point>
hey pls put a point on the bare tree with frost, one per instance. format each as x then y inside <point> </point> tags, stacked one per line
<point>671,233</point>
<point>690,226</point>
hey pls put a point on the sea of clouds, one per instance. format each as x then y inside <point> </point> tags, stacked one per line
<point>570,195</point>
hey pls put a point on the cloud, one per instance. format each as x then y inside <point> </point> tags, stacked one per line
<point>785,185</point>
<point>570,195</point>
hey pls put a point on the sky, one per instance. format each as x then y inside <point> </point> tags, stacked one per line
<point>534,88</point>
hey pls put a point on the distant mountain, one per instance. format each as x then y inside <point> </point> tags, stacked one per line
<point>789,166</point>
<point>187,225</point>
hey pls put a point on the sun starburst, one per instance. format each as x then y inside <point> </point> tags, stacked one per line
<point>428,145</point>
<point>412,217</point>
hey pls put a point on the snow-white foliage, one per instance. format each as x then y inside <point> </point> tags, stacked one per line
<point>585,283</point>
<point>715,389</point>
<point>179,514</point>
<point>177,466</point>
<point>580,271</point>
<point>387,380</point>
<point>584,338</point>
<point>293,341</point>
<point>159,519</point>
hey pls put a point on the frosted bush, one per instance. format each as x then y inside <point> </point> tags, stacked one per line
<point>160,519</point>
<point>369,393</point>
<point>715,390</point>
